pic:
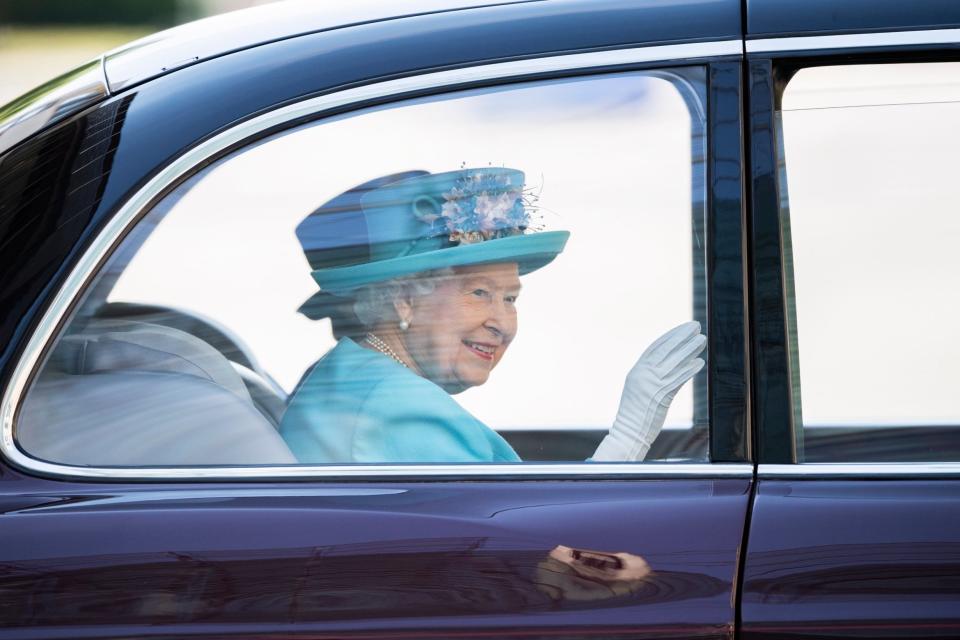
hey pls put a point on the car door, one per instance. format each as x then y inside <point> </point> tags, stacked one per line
<point>855,527</point>
<point>145,489</point>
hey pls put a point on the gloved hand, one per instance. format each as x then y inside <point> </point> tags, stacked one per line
<point>648,391</point>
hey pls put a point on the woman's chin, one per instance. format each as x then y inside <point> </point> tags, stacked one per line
<point>466,378</point>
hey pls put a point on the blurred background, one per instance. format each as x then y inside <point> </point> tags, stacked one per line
<point>41,39</point>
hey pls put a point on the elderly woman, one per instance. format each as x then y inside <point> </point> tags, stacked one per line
<point>421,289</point>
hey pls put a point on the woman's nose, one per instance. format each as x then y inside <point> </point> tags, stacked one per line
<point>501,322</point>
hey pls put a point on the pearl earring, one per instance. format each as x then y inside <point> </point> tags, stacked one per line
<point>404,325</point>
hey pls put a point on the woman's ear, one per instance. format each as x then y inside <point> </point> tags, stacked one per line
<point>403,305</point>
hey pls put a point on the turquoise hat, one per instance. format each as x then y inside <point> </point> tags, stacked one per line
<point>451,219</point>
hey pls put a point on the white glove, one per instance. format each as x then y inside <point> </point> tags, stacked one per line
<point>648,391</point>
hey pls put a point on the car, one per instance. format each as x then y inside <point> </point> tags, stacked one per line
<point>162,210</point>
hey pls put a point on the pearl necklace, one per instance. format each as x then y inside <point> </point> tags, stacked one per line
<point>383,348</point>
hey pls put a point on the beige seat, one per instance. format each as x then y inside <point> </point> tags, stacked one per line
<point>123,393</point>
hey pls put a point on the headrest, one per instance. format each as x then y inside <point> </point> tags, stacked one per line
<point>120,345</point>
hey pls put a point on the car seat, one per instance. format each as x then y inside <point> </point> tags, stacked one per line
<point>122,393</point>
<point>266,394</point>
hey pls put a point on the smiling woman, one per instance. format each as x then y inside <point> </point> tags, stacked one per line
<point>464,237</point>
<point>437,331</point>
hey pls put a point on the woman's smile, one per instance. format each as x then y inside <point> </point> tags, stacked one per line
<point>481,350</point>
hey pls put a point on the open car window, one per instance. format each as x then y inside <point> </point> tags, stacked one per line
<point>465,278</point>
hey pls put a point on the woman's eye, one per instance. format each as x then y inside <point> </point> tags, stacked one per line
<point>511,299</point>
<point>481,293</point>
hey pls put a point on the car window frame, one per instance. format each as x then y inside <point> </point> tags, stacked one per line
<point>729,426</point>
<point>770,63</point>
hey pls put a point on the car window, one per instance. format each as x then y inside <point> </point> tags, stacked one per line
<point>870,231</point>
<point>463,278</point>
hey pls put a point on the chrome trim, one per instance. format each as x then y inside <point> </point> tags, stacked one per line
<point>529,470</point>
<point>825,470</point>
<point>97,500</point>
<point>103,72</point>
<point>102,245</point>
<point>854,41</point>
<point>52,102</point>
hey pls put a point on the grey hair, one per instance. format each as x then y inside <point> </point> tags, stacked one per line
<point>373,304</point>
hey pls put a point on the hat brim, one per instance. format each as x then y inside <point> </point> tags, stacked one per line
<point>530,252</point>
<point>323,304</point>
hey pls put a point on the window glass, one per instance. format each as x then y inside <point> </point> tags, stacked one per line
<point>346,292</point>
<point>871,230</point>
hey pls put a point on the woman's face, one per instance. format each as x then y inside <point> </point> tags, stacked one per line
<point>459,332</point>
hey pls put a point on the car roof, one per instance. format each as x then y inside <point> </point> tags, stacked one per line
<point>187,44</point>
<point>166,51</point>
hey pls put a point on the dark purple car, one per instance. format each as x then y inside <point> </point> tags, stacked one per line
<point>162,211</point>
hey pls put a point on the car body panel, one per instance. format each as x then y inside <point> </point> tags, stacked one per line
<point>853,558</point>
<point>463,557</point>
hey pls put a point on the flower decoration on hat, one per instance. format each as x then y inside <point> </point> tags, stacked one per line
<point>426,221</point>
<point>481,205</point>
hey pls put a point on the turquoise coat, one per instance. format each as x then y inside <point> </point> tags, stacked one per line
<point>358,405</point>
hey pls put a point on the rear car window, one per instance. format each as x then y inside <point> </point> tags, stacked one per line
<point>464,278</point>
